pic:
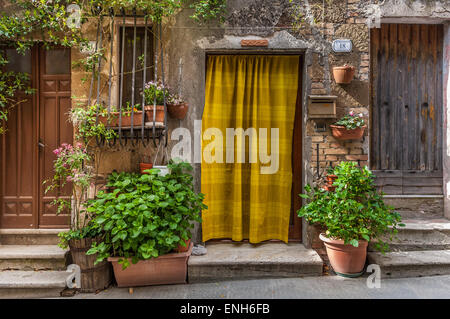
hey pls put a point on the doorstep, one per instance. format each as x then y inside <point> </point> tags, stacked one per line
<point>237,261</point>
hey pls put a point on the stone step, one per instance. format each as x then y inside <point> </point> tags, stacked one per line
<point>32,284</point>
<point>235,261</point>
<point>32,257</point>
<point>421,234</point>
<point>412,263</point>
<point>29,236</point>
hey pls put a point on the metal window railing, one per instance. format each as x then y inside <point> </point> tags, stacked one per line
<point>148,128</point>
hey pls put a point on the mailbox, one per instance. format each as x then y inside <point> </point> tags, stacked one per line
<point>322,106</point>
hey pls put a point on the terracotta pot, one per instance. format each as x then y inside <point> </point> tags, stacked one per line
<point>159,113</point>
<point>331,178</point>
<point>345,259</point>
<point>144,166</point>
<point>93,277</point>
<point>126,119</point>
<point>341,133</point>
<point>343,74</point>
<point>182,249</point>
<point>165,269</point>
<point>178,111</point>
<point>329,188</point>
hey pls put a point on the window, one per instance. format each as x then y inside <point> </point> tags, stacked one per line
<point>139,65</point>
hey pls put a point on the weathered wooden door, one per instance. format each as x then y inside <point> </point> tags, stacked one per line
<point>407,108</point>
<point>34,129</point>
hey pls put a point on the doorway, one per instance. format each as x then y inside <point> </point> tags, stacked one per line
<point>407,108</point>
<point>35,127</point>
<point>249,92</point>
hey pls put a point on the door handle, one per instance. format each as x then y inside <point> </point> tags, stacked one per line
<point>41,145</point>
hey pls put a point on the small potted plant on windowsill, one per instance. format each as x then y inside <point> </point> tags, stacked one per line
<point>352,215</point>
<point>114,118</point>
<point>154,91</point>
<point>145,220</point>
<point>349,127</point>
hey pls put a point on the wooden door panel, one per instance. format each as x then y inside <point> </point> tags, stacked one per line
<point>54,129</point>
<point>17,149</point>
<point>406,93</point>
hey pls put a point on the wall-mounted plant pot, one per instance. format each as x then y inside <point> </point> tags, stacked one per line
<point>93,277</point>
<point>159,113</point>
<point>163,270</point>
<point>126,119</point>
<point>145,166</point>
<point>178,111</point>
<point>343,74</point>
<point>342,133</point>
<point>331,178</point>
<point>346,260</point>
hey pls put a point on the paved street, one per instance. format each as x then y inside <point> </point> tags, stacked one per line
<point>310,287</point>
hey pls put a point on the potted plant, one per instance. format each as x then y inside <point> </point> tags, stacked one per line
<point>114,117</point>
<point>352,215</point>
<point>331,177</point>
<point>145,164</point>
<point>72,167</point>
<point>145,219</point>
<point>154,91</point>
<point>343,74</point>
<point>349,127</point>
<point>176,107</point>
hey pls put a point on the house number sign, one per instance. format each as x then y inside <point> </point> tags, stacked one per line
<point>342,45</point>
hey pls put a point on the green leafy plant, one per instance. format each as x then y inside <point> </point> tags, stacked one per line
<point>351,121</point>
<point>87,127</point>
<point>154,89</point>
<point>147,215</point>
<point>354,211</point>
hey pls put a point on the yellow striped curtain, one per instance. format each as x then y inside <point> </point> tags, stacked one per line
<point>248,91</point>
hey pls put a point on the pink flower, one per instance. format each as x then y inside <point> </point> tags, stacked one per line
<point>69,178</point>
<point>56,151</point>
<point>351,113</point>
<point>360,115</point>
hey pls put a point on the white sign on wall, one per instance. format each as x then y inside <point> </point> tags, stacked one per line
<point>342,45</point>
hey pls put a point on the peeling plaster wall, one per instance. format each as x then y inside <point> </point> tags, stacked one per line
<point>446,135</point>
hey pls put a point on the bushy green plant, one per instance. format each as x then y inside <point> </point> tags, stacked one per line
<point>87,127</point>
<point>351,121</point>
<point>145,215</point>
<point>354,211</point>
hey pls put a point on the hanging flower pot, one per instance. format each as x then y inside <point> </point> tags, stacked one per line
<point>178,111</point>
<point>159,113</point>
<point>346,260</point>
<point>343,74</point>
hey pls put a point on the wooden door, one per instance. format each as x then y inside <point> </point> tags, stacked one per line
<point>35,128</point>
<point>407,108</point>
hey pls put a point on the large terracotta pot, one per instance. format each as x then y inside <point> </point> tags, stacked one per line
<point>126,119</point>
<point>163,270</point>
<point>343,74</point>
<point>341,132</point>
<point>159,113</point>
<point>346,260</point>
<point>178,111</point>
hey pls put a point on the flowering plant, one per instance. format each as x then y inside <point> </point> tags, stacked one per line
<point>71,166</point>
<point>152,89</point>
<point>351,121</point>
